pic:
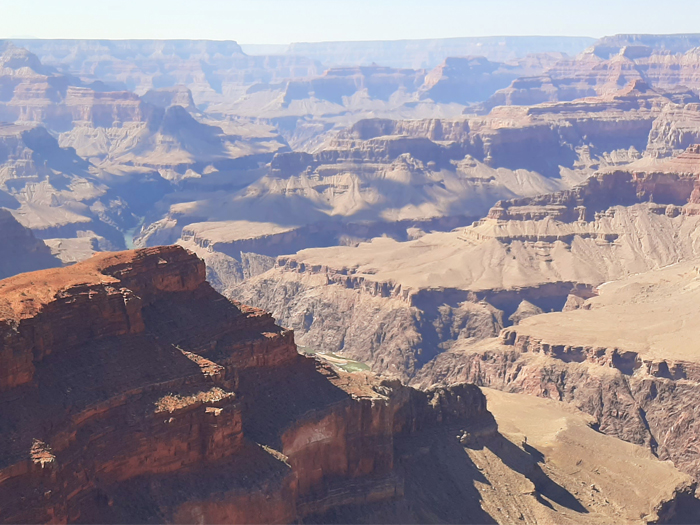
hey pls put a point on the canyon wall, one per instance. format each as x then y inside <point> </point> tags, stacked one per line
<point>625,357</point>
<point>132,392</point>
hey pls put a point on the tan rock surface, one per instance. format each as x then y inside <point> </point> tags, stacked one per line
<point>630,361</point>
<point>652,314</point>
<point>620,482</point>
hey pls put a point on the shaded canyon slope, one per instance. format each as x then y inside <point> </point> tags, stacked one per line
<point>21,252</point>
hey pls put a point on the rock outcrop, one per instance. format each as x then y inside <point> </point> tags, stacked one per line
<point>470,79</point>
<point>133,392</point>
<point>673,185</point>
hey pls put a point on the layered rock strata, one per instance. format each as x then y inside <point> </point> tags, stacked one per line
<point>606,67</point>
<point>672,184</point>
<point>133,392</point>
<point>628,357</point>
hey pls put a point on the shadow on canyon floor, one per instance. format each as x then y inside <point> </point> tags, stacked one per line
<point>526,462</point>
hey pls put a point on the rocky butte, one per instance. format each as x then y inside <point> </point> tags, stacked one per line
<point>132,392</point>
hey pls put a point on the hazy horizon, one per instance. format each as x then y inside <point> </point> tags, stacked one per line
<point>282,22</point>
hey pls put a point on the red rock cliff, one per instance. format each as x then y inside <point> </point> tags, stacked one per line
<point>131,391</point>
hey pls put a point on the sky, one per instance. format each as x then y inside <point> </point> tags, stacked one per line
<point>286,21</point>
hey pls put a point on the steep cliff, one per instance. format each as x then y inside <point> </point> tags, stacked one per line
<point>133,392</point>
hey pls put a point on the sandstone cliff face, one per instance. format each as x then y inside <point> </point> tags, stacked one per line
<point>133,392</point>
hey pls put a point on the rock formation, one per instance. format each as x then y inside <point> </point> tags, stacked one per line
<point>396,305</point>
<point>132,392</point>
<point>165,166</point>
<point>467,80</point>
<point>383,176</point>
<point>626,356</point>
<point>673,183</point>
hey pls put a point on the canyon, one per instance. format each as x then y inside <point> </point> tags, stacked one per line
<point>151,161</point>
<point>411,298</point>
<point>133,392</point>
<point>432,281</point>
<point>616,256</point>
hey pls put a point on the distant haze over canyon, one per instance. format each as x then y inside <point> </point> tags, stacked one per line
<point>414,281</point>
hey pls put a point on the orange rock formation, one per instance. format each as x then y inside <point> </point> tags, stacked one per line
<point>131,391</point>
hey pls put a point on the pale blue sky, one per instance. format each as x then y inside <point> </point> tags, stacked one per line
<point>284,21</point>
